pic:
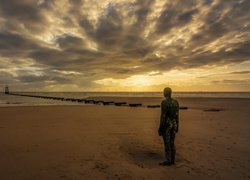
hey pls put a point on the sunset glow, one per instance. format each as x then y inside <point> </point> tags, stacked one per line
<point>125,45</point>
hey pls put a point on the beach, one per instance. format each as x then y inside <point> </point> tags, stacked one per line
<point>120,142</point>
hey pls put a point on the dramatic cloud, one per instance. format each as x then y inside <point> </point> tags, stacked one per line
<point>241,72</point>
<point>233,81</point>
<point>86,44</point>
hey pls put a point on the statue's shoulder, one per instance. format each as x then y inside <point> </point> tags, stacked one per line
<point>164,102</point>
<point>169,102</point>
<point>175,102</point>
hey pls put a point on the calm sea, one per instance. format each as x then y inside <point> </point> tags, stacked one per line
<point>8,100</point>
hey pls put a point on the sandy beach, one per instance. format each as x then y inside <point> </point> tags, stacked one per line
<point>109,142</point>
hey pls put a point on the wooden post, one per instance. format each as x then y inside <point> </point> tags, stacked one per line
<point>7,90</point>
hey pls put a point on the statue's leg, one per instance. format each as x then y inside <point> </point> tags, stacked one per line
<point>172,145</point>
<point>167,145</point>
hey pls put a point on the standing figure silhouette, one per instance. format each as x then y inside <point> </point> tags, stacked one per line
<point>169,125</point>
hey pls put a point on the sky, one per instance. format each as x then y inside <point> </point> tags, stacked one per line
<point>125,45</point>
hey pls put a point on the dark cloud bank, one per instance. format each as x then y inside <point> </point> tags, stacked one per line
<point>117,40</point>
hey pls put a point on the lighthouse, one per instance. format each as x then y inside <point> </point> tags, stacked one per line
<point>7,90</point>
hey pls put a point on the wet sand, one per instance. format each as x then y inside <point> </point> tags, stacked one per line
<point>109,142</point>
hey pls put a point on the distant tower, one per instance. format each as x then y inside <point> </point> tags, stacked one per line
<point>7,90</point>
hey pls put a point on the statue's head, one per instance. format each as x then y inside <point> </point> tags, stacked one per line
<point>167,92</point>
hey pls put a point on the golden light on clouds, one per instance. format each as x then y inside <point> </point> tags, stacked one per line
<point>125,45</point>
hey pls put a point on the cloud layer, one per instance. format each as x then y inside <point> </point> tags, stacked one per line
<point>46,44</point>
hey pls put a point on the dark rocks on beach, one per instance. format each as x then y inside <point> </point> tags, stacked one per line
<point>153,106</point>
<point>183,107</point>
<point>120,103</point>
<point>213,110</point>
<point>89,101</point>
<point>135,105</point>
<point>92,101</point>
<point>108,102</point>
<point>56,98</point>
<point>80,100</point>
<point>68,99</point>
<point>98,102</point>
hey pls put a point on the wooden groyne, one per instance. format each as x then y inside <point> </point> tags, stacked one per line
<point>91,101</point>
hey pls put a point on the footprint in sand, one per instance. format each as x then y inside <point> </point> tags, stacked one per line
<point>100,166</point>
<point>182,162</point>
<point>144,158</point>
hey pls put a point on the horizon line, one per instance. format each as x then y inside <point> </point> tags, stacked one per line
<point>130,91</point>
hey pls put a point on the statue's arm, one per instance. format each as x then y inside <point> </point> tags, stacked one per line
<point>162,119</point>
<point>177,116</point>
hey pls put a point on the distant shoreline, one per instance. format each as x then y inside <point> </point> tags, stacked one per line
<point>127,92</point>
<point>140,94</point>
<point>19,101</point>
